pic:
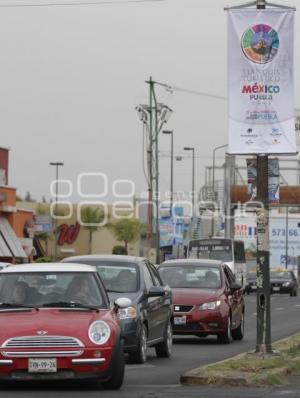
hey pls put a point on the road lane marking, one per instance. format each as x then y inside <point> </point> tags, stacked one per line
<point>279,309</point>
<point>254,314</point>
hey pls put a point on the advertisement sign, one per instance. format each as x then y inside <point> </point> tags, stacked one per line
<point>245,229</point>
<point>43,223</point>
<point>273,180</point>
<point>260,81</point>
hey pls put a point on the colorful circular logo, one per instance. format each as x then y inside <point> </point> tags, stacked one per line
<point>260,43</point>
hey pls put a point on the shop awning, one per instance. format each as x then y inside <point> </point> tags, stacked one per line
<point>9,238</point>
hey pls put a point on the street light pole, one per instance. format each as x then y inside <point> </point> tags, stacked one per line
<point>56,164</point>
<point>193,175</point>
<point>172,169</point>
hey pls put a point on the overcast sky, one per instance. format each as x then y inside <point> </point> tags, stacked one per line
<point>70,77</point>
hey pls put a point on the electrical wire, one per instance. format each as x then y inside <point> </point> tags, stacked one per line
<point>170,88</point>
<point>80,3</point>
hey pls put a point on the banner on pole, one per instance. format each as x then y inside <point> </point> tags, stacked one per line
<point>260,82</point>
<point>273,180</point>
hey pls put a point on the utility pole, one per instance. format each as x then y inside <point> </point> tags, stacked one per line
<point>263,337</point>
<point>56,164</point>
<point>154,116</point>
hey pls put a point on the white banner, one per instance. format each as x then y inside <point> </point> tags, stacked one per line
<point>260,81</point>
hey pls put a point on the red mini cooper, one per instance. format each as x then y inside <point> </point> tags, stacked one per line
<point>206,299</point>
<point>57,324</point>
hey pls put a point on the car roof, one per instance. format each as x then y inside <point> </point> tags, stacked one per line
<point>110,257</point>
<point>48,267</point>
<point>192,261</point>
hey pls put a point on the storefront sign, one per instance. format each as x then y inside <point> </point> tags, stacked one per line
<point>260,83</point>
<point>68,233</point>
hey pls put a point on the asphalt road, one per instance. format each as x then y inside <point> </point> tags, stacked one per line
<point>160,377</point>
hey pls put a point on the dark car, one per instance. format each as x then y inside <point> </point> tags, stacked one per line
<point>147,323</point>
<point>251,283</point>
<point>283,281</point>
<point>206,299</point>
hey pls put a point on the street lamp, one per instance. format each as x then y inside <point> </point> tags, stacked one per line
<point>172,167</point>
<point>214,161</point>
<point>193,175</point>
<point>56,164</point>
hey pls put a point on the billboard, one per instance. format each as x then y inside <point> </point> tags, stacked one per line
<point>260,81</point>
<point>245,229</point>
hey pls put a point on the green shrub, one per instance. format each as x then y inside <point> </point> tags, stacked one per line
<point>119,250</point>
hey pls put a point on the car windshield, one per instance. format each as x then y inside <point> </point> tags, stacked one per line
<point>191,276</point>
<point>280,275</point>
<point>40,289</point>
<point>117,276</point>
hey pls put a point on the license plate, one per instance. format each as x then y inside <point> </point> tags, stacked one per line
<point>253,287</point>
<point>276,289</point>
<point>42,365</point>
<point>180,320</point>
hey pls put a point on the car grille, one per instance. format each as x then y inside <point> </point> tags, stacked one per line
<point>276,284</point>
<point>17,347</point>
<point>182,308</point>
<point>187,327</point>
<point>42,342</point>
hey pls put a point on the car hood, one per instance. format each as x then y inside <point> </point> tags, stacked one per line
<point>274,280</point>
<point>52,321</point>
<point>195,296</point>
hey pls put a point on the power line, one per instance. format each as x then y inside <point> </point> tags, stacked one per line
<point>171,88</point>
<point>81,3</point>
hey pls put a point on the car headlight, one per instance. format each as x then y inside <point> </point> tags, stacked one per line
<point>286,284</point>
<point>127,313</point>
<point>99,332</point>
<point>213,305</point>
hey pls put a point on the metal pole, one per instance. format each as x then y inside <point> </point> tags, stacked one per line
<point>286,236</point>
<point>263,338</point>
<point>56,164</point>
<point>150,197</point>
<point>172,172</point>
<point>193,182</point>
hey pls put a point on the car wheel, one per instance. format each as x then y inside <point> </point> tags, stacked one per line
<point>118,368</point>
<point>238,333</point>
<point>140,355</point>
<point>226,337</point>
<point>164,349</point>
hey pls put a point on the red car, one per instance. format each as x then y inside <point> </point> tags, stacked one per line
<point>59,325</point>
<point>206,299</point>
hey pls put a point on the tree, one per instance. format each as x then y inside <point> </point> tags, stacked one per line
<point>91,216</point>
<point>126,230</point>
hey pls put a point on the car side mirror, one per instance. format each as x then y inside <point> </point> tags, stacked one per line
<point>156,291</point>
<point>123,302</point>
<point>235,286</point>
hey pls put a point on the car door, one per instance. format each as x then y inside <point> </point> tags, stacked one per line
<point>235,298</point>
<point>151,304</point>
<point>163,303</point>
